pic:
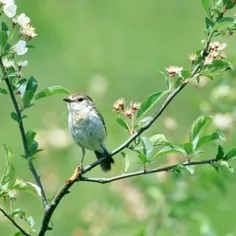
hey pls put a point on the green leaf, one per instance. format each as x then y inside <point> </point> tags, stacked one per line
<point>18,212</point>
<point>206,5</point>
<point>122,123</point>
<point>144,121</point>
<point>3,91</point>
<point>170,149</point>
<point>209,23</point>
<point>19,233</point>
<point>209,138</point>
<point>14,116</point>
<point>226,165</point>
<point>50,91</point>
<point>3,38</point>
<point>167,80</point>
<point>231,154</point>
<point>30,90</point>
<point>30,135</point>
<point>32,143</point>
<point>223,23</point>
<point>126,161</point>
<point>197,126</point>
<point>4,27</point>
<point>186,74</point>
<point>190,169</point>
<point>27,187</point>
<point>9,170</point>
<point>220,154</point>
<point>150,102</point>
<point>158,139</point>
<point>188,147</point>
<point>147,146</point>
<point>143,158</point>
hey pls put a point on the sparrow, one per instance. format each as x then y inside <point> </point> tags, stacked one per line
<point>88,128</point>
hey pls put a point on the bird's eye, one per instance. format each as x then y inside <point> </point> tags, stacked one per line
<point>80,99</point>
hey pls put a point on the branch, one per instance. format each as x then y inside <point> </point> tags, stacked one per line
<point>65,188</point>
<point>14,223</point>
<point>144,172</point>
<point>23,136</point>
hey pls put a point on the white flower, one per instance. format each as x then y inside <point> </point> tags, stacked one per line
<point>20,47</point>
<point>22,63</point>
<point>7,63</point>
<point>172,70</point>
<point>28,31</point>
<point>9,8</point>
<point>22,20</point>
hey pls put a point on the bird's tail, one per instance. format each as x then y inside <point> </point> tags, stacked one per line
<point>105,164</point>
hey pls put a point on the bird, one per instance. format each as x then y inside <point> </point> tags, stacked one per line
<point>88,128</point>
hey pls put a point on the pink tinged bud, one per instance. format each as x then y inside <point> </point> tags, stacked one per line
<point>172,70</point>
<point>121,103</point>
<point>192,57</point>
<point>116,107</point>
<point>128,113</point>
<point>134,106</point>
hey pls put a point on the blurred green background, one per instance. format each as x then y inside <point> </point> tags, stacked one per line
<point>111,49</point>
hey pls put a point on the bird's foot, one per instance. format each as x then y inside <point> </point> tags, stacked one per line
<point>76,174</point>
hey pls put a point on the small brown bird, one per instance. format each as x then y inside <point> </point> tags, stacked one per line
<point>88,128</point>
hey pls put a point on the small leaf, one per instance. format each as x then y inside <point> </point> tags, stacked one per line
<point>220,154</point>
<point>158,139</point>
<point>3,38</point>
<point>4,27</point>
<point>188,147</point>
<point>14,116</point>
<point>18,212</point>
<point>144,121</point>
<point>226,165</point>
<point>206,5</point>
<point>126,160</point>
<point>168,81</point>
<point>147,146</point>
<point>122,123</point>
<point>31,87</point>
<point>170,149</point>
<point>231,154</point>
<point>9,170</point>
<point>209,23</point>
<point>209,138</point>
<point>190,169</point>
<point>50,91</point>
<point>198,124</point>
<point>30,135</point>
<point>3,91</point>
<point>143,158</point>
<point>223,23</point>
<point>27,187</point>
<point>150,102</point>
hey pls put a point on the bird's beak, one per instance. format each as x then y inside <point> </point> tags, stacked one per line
<point>66,100</point>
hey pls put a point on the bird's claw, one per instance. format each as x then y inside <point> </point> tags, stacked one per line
<point>76,174</point>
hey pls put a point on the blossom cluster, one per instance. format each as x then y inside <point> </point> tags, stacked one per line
<point>216,52</point>
<point>119,107</point>
<point>21,24</point>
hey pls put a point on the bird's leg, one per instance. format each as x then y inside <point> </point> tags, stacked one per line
<point>78,170</point>
<point>82,160</point>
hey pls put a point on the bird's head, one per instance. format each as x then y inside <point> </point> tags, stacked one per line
<point>78,102</point>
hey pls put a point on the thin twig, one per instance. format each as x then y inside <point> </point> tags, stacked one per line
<point>23,136</point>
<point>65,188</point>
<point>144,172</point>
<point>14,223</point>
